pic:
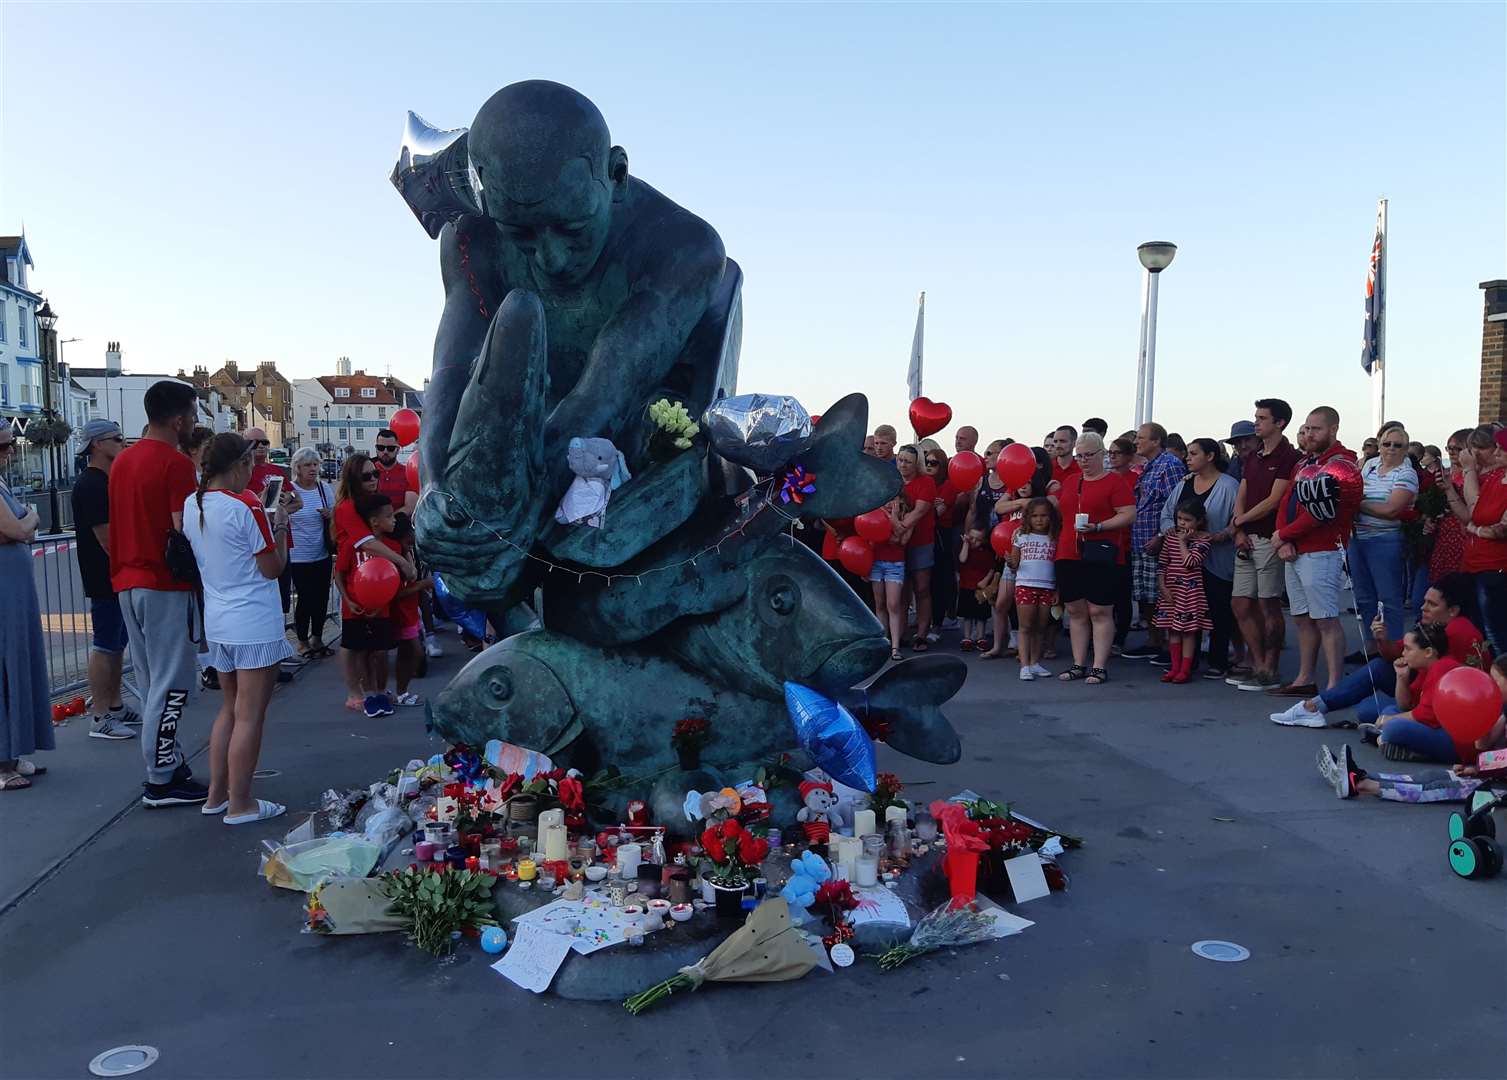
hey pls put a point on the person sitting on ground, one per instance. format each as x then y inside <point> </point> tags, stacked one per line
<point>1409,730</point>
<point>1369,689</point>
<point>367,633</point>
<point>240,556</point>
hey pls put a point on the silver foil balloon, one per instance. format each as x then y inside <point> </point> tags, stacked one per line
<point>764,432</point>
<point>434,174</point>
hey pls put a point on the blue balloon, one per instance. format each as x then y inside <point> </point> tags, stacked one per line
<point>828,732</point>
<point>494,939</point>
<point>472,620</point>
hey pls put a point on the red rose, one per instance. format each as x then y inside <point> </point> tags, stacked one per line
<point>752,849</point>
<point>711,840</point>
<point>731,829</point>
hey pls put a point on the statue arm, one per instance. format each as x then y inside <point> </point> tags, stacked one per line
<point>468,267</point>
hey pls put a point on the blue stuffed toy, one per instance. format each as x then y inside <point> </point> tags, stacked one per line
<point>806,876</point>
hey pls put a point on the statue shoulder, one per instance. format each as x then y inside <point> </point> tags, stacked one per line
<point>670,238</point>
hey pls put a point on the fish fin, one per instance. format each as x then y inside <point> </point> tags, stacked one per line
<point>906,700</point>
<point>854,482</point>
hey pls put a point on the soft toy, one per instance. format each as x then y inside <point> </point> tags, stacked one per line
<point>600,470</point>
<point>819,800</point>
<point>806,876</point>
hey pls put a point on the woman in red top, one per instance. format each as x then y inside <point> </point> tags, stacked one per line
<point>1098,508</point>
<point>919,526</point>
<point>944,572</point>
<point>888,578</point>
<point>1449,531</point>
<point>358,476</point>
<point>1482,506</point>
<point>1410,730</point>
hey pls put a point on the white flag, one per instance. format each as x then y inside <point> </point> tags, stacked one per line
<point>913,376</point>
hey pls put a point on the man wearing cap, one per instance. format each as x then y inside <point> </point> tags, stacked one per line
<point>91,519</point>
<point>1243,439</point>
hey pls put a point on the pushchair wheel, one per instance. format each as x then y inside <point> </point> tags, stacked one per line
<point>1475,857</point>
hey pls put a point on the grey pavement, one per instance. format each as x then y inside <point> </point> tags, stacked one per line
<point>1202,820</point>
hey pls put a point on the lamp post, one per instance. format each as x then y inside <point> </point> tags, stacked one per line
<point>47,321</point>
<point>1155,256</point>
<point>327,426</point>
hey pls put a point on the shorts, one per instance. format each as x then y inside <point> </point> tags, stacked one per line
<point>406,633</point>
<point>109,626</point>
<point>1098,583</point>
<point>366,635</point>
<point>240,657</point>
<point>970,606</point>
<point>1314,582</point>
<point>1144,568</point>
<point>920,558</point>
<point>1029,594</point>
<point>887,571</point>
<point>1261,574</point>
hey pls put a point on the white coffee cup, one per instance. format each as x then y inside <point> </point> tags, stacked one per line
<point>1080,522</point>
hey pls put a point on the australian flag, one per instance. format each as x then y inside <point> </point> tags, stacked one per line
<point>1375,297</point>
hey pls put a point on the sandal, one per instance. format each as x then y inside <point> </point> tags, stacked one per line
<point>895,655</point>
<point>1074,673</point>
<point>988,656</point>
<point>10,779</point>
<point>265,811</point>
<point>27,768</point>
<point>919,645</point>
<point>966,645</point>
<point>1097,677</point>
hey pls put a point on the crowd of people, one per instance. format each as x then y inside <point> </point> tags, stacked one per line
<point>192,550</point>
<point>1207,550</point>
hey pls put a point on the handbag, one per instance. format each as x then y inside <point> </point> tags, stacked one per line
<point>178,553</point>
<point>328,531</point>
<point>1096,551</point>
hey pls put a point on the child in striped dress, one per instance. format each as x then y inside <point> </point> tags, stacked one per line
<point>1183,611</point>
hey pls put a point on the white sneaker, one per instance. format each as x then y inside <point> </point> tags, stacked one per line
<point>950,624</point>
<point>1014,640</point>
<point>1299,715</point>
<point>1039,671</point>
<point>432,649</point>
<point>1027,674</point>
<point>408,700</point>
<point>933,637</point>
<point>109,726</point>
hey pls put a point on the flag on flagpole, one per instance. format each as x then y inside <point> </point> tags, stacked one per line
<point>1376,294</point>
<point>913,376</point>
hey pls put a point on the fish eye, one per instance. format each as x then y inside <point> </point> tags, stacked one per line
<point>499,685</point>
<point>784,596</point>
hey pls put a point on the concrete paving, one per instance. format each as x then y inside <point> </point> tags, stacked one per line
<point>1202,820</point>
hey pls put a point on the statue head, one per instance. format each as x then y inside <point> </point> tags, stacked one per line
<point>548,176</point>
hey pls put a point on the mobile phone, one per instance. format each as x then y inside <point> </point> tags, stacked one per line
<point>272,492</point>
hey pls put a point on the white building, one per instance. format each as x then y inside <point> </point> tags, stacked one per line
<point>310,404</point>
<point>118,394</point>
<point>21,368</point>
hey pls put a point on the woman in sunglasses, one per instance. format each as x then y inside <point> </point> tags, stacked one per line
<point>25,714</point>
<point>1378,559</point>
<point>359,476</point>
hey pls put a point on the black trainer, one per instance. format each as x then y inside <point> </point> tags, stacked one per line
<point>209,678</point>
<point>1140,652</point>
<point>181,790</point>
<point>1162,659</point>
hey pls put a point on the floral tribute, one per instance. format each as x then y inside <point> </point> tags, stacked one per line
<point>691,733</point>
<point>735,852</point>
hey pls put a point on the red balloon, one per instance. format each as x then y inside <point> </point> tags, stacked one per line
<point>1468,703</point>
<point>857,554</point>
<point>873,526</point>
<point>414,480</point>
<point>1015,465</point>
<point>927,417</point>
<point>405,425</point>
<point>965,470</point>
<point>816,418</point>
<point>374,584</point>
<point>1001,535</point>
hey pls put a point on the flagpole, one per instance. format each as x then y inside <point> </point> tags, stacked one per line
<point>1379,368</point>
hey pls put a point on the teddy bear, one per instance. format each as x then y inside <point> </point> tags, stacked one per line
<point>600,470</point>
<point>819,801</point>
<point>807,874</point>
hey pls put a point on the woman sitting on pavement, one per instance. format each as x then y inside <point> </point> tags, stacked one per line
<point>1410,730</point>
<point>240,555</point>
<point>1455,785</point>
<point>1369,689</point>
<point>1208,484</point>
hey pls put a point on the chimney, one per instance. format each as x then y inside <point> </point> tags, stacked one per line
<point>1493,362</point>
<point>112,357</point>
<point>343,366</point>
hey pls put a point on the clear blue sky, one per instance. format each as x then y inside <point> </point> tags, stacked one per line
<point>207,182</point>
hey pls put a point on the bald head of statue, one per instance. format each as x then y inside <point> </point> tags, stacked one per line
<point>549,176</point>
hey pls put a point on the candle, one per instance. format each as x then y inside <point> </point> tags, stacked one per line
<point>628,858</point>
<point>423,851</point>
<point>894,813</point>
<point>526,870</point>
<point>863,822</point>
<point>867,870</point>
<point>852,847</point>
<point>556,847</point>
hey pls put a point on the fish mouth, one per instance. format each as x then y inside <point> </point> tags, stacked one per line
<point>846,662</point>
<point>568,734</point>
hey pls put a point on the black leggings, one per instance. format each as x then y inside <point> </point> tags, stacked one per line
<point>1217,591</point>
<point>311,580</point>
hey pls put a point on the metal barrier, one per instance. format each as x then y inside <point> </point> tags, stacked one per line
<point>66,625</point>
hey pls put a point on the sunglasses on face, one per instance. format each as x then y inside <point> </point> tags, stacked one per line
<point>261,442</point>
<point>1394,446</point>
<point>372,475</point>
<point>391,448</point>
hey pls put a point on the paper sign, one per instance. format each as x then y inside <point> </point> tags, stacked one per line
<point>842,954</point>
<point>1005,924</point>
<point>878,905</point>
<point>1027,881</point>
<point>534,958</point>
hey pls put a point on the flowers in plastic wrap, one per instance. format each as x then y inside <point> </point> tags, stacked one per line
<point>766,948</point>
<point>945,928</point>
<point>675,424</point>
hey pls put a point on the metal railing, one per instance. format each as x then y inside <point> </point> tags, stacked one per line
<point>67,628</point>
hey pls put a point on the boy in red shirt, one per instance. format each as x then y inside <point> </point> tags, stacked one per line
<point>406,614</point>
<point>367,633</point>
<point>148,485</point>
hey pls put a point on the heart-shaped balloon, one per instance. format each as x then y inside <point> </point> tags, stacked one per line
<point>927,417</point>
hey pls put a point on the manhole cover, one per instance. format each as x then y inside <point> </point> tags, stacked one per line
<point>264,774</point>
<point>123,1060</point>
<point>1226,952</point>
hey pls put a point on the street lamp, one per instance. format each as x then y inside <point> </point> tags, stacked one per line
<point>1155,256</point>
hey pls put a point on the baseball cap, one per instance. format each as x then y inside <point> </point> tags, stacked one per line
<point>1241,429</point>
<point>98,428</point>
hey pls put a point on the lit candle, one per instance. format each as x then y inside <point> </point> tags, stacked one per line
<point>863,822</point>
<point>526,870</point>
<point>894,813</point>
<point>546,819</point>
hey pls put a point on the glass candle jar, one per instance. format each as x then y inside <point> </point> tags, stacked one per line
<point>926,828</point>
<point>527,871</point>
<point>868,870</point>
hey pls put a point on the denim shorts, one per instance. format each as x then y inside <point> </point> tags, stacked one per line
<point>109,626</point>
<point>887,571</point>
<point>920,558</point>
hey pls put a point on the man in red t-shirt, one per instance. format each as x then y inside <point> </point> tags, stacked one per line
<point>262,469</point>
<point>392,477</point>
<point>1064,466</point>
<point>148,485</point>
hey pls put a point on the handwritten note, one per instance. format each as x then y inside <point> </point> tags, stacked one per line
<point>878,905</point>
<point>534,958</point>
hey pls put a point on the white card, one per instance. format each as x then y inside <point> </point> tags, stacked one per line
<point>1027,881</point>
<point>877,904</point>
<point>1005,923</point>
<point>534,957</point>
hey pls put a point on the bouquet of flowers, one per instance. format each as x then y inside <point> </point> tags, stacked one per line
<point>886,794</point>
<point>837,897</point>
<point>675,427</point>
<point>736,853</point>
<point>437,903</point>
<point>691,733</point>
<point>945,928</point>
